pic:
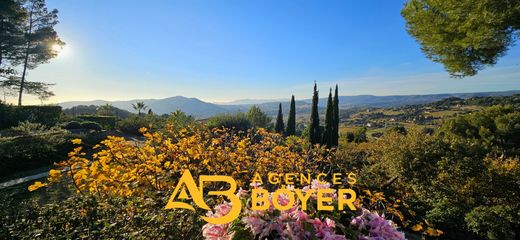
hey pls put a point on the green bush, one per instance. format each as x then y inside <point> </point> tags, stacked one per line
<point>359,135</point>
<point>12,115</point>
<point>72,125</point>
<point>132,124</point>
<point>91,126</point>
<point>237,121</point>
<point>89,217</point>
<point>107,122</point>
<point>178,120</point>
<point>467,174</point>
<point>258,118</point>
<point>33,146</point>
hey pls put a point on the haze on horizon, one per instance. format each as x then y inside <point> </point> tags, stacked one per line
<point>223,51</point>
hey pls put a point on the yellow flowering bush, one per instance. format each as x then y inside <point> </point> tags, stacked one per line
<point>122,168</point>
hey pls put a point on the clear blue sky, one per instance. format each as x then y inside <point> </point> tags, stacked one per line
<point>225,50</point>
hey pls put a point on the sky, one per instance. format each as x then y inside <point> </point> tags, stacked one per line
<point>220,51</point>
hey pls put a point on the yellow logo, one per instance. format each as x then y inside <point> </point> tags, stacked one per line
<point>188,189</point>
<point>187,186</point>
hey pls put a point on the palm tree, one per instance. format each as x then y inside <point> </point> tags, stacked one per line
<point>139,106</point>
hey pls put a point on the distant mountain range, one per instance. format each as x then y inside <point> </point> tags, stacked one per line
<point>201,109</point>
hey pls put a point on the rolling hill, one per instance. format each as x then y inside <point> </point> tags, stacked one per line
<point>201,109</point>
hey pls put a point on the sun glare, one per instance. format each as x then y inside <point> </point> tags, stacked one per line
<point>57,48</point>
<point>61,50</point>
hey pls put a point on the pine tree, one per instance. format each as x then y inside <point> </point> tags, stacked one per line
<point>314,128</point>
<point>279,120</point>
<point>329,123</point>
<point>335,130</point>
<point>12,17</point>
<point>40,40</point>
<point>291,120</point>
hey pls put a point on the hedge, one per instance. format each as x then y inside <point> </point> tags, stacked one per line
<point>32,151</point>
<point>72,125</point>
<point>107,122</point>
<point>91,126</point>
<point>11,115</point>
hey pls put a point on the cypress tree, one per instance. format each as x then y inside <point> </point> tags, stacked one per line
<point>335,130</point>
<point>291,120</point>
<point>314,128</point>
<point>329,123</point>
<point>279,120</point>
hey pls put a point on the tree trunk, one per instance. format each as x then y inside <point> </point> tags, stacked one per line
<point>22,81</point>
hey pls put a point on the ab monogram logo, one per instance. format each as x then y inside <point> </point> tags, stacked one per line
<point>187,186</point>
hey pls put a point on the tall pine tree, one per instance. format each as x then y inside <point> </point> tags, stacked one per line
<point>291,120</point>
<point>314,128</point>
<point>335,130</point>
<point>279,120</point>
<point>40,41</point>
<point>12,17</point>
<point>329,123</point>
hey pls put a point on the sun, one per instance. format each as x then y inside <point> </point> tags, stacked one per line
<point>60,50</point>
<point>57,48</point>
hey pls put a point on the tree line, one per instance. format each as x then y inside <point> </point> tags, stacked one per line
<point>27,39</point>
<point>327,135</point>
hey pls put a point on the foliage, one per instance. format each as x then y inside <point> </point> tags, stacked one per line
<point>93,110</point>
<point>258,118</point>
<point>465,177</point>
<point>12,115</point>
<point>335,125</point>
<point>132,124</point>
<point>328,134</point>
<point>12,16</point>
<point>72,125</point>
<point>107,122</point>
<point>35,46</point>
<point>179,120</point>
<point>93,217</point>
<point>314,129</point>
<point>200,151</point>
<point>123,190</point>
<point>139,106</point>
<point>106,110</point>
<point>359,135</point>
<point>279,126</point>
<point>238,121</point>
<point>496,128</point>
<point>31,145</point>
<point>291,120</point>
<point>13,85</point>
<point>91,126</point>
<point>464,35</point>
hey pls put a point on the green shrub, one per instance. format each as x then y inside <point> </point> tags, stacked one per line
<point>132,124</point>
<point>91,126</point>
<point>12,115</point>
<point>90,217</point>
<point>258,118</point>
<point>359,135</point>
<point>107,122</point>
<point>178,120</point>
<point>72,125</point>
<point>237,121</point>
<point>466,174</point>
<point>32,146</point>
